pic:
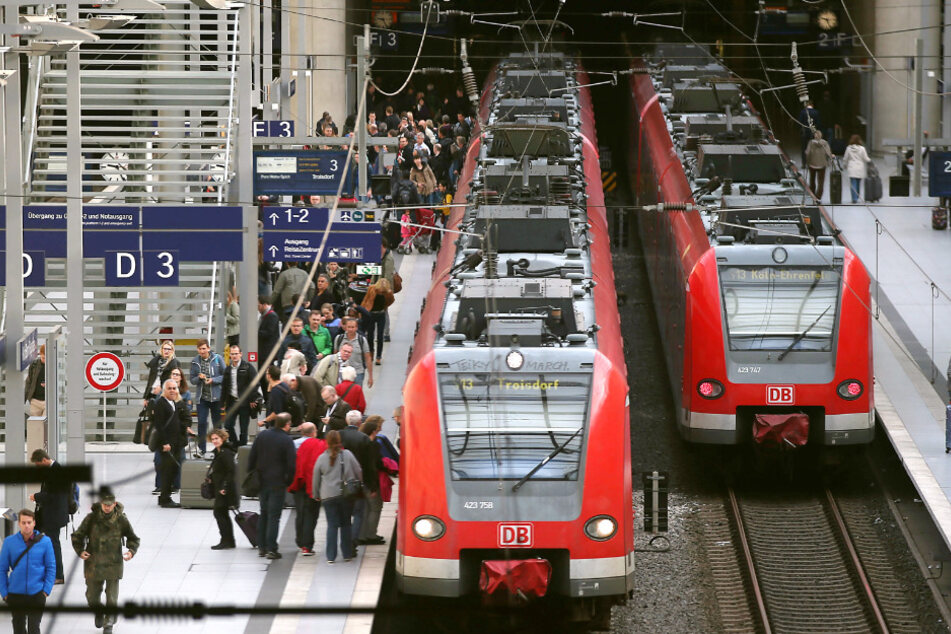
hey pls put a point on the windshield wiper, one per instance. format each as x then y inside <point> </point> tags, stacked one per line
<point>557,450</point>
<point>802,335</point>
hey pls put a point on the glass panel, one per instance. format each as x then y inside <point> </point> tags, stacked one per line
<point>770,308</point>
<point>500,426</point>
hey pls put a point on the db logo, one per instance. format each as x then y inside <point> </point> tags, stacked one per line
<point>516,535</point>
<point>780,395</point>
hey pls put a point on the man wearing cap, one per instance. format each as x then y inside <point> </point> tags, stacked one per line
<point>98,542</point>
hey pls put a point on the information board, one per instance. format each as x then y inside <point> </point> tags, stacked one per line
<point>298,172</point>
<point>295,233</point>
<point>939,174</point>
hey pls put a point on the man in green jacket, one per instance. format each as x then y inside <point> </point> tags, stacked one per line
<point>319,334</point>
<point>98,542</point>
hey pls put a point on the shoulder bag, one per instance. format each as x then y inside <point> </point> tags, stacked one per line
<point>350,489</point>
<point>140,436</point>
<point>207,489</point>
<point>397,282</point>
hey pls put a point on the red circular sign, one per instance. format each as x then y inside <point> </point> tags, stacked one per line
<point>105,371</point>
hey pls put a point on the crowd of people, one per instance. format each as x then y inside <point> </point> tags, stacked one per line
<point>313,436</point>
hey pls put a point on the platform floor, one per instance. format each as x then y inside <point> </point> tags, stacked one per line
<point>912,340</point>
<point>175,561</point>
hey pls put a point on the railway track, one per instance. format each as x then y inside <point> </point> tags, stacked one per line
<point>803,571</point>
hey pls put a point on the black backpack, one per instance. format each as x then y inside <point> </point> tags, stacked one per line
<point>295,405</point>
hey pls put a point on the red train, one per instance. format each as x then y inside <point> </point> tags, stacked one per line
<point>516,450</point>
<point>763,310</point>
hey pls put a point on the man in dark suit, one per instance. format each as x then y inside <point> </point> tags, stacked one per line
<point>360,445</point>
<point>170,419</point>
<point>269,328</point>
<point>237,378</point>
<point>52,507</point>
<point>335,417</point>
<point>269,335</point>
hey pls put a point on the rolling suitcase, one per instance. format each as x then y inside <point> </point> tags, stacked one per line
<point>193,474</point>
<point>241,468</point>
<point>939,218</point>
<point>873,185</point>
<point>835,184</point>
<point>247,521</point>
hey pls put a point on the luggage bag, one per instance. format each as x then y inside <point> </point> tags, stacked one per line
<point>835,184</point>
<point>193,474</point>
<point>873,185</point>
<point>247,521</point>
<point>939,218</point>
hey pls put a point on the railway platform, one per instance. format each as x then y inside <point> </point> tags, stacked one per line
<point>176,563</point>
<point>912,340</point>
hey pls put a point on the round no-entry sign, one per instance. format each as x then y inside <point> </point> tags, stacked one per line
<point>104,371</point>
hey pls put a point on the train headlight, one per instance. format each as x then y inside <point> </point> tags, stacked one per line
<point>600,527</point>
<point>428,528</point>
<point>710,389</point>
<point>850,389</point>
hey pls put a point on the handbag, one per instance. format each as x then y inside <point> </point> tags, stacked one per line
<point>350,489</point>
<point>397,282</point>
<point>140,436</point>
<point>207,489</point>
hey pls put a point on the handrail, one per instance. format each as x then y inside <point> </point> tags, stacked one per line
<point>32,108</point>
<point>229,128</point>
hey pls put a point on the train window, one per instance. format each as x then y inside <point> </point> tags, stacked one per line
<point>501,425</point>
<point>779,308</point>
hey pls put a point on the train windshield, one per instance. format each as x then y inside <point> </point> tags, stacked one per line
<point>780,308</point>
<point>499,426</point>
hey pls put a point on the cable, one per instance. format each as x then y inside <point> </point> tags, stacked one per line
<point>419,51</point>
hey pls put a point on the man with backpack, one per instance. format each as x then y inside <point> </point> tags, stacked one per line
<point>207,374</point>
<point>54,504</point>
<point>282,398</point>
<point>29,571</point>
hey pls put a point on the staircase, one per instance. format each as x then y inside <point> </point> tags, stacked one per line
<point>158,119</point>
<point>158,106</point>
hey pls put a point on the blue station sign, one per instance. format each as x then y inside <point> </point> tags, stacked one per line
<point>295,233</point>
<point>299,172</point>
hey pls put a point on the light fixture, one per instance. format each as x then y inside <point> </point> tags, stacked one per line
<point>130,5</point>
<point>710,389</point>
<point>428,528</point>
<point>514,360</point>
<point>600,528</point>
<point>212,4</point>
<point>103,22</point>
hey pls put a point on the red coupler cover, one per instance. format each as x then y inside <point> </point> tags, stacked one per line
<point>781,430</point>
<point>527,578</point>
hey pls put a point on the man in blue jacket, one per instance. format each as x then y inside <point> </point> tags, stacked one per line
<point>207,373</point>
<point>274,458</point>
<point>29,570</point>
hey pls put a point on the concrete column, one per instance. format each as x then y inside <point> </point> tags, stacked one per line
<point>328,41</point>
<point>893,114</point>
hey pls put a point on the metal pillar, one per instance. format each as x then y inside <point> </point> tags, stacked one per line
<point>363,70</point>
<point>946,72</point>
<point>285,96</point>
<point>248,268</point>
<point>15,447</point>
<point>919,113</point>
<point>75,407</point>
